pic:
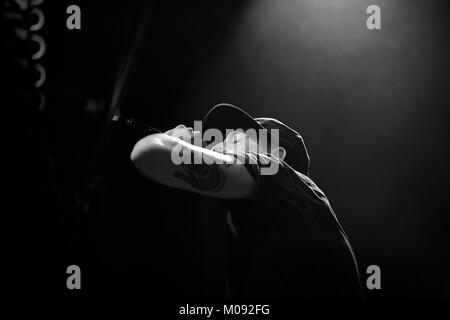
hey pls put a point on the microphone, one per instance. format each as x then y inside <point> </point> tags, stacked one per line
<point>134,127</point>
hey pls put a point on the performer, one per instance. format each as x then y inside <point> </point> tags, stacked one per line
<point>288,243</point>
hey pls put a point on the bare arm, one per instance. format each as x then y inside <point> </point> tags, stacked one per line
<point>152,156</point>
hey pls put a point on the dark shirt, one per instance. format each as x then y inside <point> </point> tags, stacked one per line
<point>286,242</point>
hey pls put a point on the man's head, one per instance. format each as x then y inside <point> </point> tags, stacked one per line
<point>261,135</point>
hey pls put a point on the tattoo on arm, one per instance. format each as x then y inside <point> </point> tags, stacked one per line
<point>204,177</point>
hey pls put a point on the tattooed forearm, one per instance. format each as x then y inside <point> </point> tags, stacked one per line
<point>202,176</point>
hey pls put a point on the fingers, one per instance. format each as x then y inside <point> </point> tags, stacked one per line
<point>185,133</point>
<point>181,132</point>
<point>196,134</point>
<point>171,131</point>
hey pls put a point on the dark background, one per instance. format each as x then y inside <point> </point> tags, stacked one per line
<point>372,106</point>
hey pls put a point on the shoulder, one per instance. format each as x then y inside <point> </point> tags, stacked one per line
<point>317,193</point>
<point>289,184</point>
